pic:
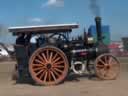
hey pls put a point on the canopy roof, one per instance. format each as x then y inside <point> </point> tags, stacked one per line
<point>43,28</point>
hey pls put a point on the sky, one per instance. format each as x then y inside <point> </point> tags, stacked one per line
<point>37,12</point>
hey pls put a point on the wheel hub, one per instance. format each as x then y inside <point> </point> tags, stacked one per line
<point>49,66</point>
<point>107,66</point>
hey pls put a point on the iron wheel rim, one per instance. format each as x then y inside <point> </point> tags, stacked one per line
<point>107,67</point>
<point>48,66</point>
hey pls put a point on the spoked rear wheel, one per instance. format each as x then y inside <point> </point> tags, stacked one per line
<point>107,67</point>
<point>48,66</point>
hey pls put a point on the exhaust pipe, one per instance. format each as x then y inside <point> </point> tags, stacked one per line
<point>98,29</point>
<point>101,46</point>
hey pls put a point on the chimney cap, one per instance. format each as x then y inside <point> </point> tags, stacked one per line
<point>97,18</point>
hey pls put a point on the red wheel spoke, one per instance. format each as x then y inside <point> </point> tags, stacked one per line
<point>40,58</point>
<point>44,57</point>
<point>105,59</point>
<point>39,68</point>
<point>109,73</point>
<point>100,66</point>
<point>57,74</point>
<point>103,71</point>
<point>40,62</point>
<point>56,60</point>
<point>51,55</point>
<point>54,57</point>
<point>58,66</point>
<point>53,76</point>
<point>105,74</point>
<point>110,60</point>
<point>102,61</point>
<point>43,73</point>
<point>57,63</point>
<point>39,72</point>
<point>37,65</point>
<point>114,62</point>
<point>46,75</point>
<point>58,70</point>
<point>47,54</point>
<point>114,65</point>
<point>49,75</point>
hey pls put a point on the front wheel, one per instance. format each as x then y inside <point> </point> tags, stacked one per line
<point>107,67</point>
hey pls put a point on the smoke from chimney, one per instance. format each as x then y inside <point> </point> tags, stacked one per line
<point>95,7</point>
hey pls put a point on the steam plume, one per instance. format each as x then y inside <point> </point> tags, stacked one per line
<point>95,7</point>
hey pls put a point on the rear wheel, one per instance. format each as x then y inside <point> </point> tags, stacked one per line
<point>107,67</point>
<point>48,66</point>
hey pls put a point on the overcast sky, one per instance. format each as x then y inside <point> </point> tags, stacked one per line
<point>36,12</point>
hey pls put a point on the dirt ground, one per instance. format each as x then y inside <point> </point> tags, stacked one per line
<point>74,86</point>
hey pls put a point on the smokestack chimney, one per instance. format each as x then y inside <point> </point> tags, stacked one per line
<point>98,29</point>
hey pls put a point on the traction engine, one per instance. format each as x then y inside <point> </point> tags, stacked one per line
<point>56,55</point>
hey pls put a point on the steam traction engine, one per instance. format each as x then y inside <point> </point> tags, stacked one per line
<point>51,61</point>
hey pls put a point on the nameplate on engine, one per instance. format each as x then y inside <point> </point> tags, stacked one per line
<point>79,50</point>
